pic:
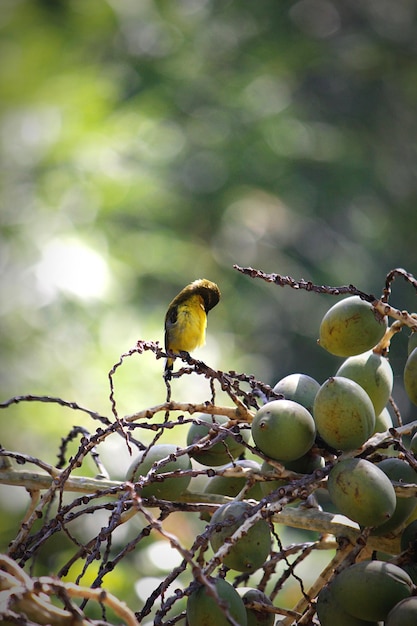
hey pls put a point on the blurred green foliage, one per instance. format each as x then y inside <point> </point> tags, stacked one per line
<point>146,144</point>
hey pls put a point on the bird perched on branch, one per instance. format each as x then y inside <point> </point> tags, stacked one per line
<point>186,318</point>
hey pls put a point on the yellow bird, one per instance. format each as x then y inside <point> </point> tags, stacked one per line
<point>186,318</point>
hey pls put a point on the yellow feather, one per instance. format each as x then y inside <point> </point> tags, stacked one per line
<point>186,318</point>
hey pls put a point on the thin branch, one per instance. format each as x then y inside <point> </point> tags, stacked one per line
<point>32,596</point>
<point>241,413</point>
<point>380,305</point>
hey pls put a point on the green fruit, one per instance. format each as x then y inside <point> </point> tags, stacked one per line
<point>257,618</point>
<point>251,550</point>
<point>383,421</point>
<point>168,488</point>
<point>412,342</point>
<point>219,453</point>
<point>413,444</point>
<point>411,569</point>
<point>231,486</point>
<point>370,589</point>
<point>399,471</point>
<point>271,485</point>
<point>373,373</point>
<point>403,614</point>
<point>410,376</point>
<point>204,610</point>
<point>350,327</point>
<point>283,430</point>
<point>362,492</point>
<point>409,538</point>
<point>304,465</point>
<point>330,612</point>
<point>344,413</point>
<point>299,388</point>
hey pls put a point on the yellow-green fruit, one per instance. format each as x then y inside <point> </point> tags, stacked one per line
<point>412,342</point>
<point>330,612</point>
<point>257,618</point>
<point>167,488</point>
<point>373,373</point>
<point>283,430</point>
<point>410,376</point>
<point>383,421</point>
<point>204,610</point>
<point>370,589</point>
<point>231,486</point>
<point>398,470</point>
<point>221,452</point>
<point>350,327</point>
<point>299,388</point>
<point>403,614</point>
<point>251,550</point>
<point>362,492</point>
<point>344,413</point>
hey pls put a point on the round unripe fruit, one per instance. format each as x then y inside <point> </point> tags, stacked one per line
<point>383,421</point>
<point>350,327</point>
<point>344,413</point>
<point>330,612</point>
<point>409,538</point>
<point>304,465</point>
<point>413,444</point>
<point>299,388</point>
<point>283,430</point>
<point>373,373</point>
<point>412,342</point>
<point>257,618</point>
<point>370,589</point>
<point>220,452</point>
<point>270,485</point>
<point>403,614</point>
<point>411,569</point>
<point>251,550</point>
<point>204,610</point>
<point>362,492</point>
<point>167,488</point>
<point>410,376</point>
<point>232,485</point>
<point>399,471</point>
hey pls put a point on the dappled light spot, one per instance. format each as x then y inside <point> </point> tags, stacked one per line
<point>70,266</point>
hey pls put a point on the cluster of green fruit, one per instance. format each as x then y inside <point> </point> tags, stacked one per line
<point>367,593</point>
<point>351,406</point>
<point>312,424</point>
<point>249,552</point>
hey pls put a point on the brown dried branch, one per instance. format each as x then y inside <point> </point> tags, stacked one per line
<point>24,596</point>
<point>236,414</point>
<point>398,272</point>
<point>381,305</point>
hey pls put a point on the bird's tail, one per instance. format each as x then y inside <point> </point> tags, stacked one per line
<point>169,366</point>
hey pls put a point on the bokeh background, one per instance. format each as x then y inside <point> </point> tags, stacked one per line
<point>146,144</point>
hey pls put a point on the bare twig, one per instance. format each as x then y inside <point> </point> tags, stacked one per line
<point>381,305</point>
<point>32,597</point>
